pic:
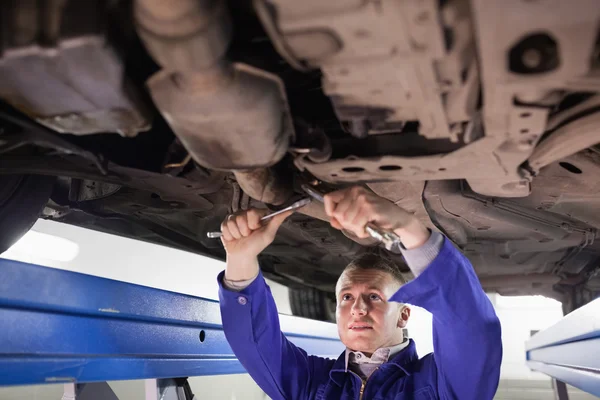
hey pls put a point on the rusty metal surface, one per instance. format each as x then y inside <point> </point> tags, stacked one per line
<point>168,188</point>
<point>510,236</point>
<point>566,140</point>
<point>405,194</point>
<point>491,164</point>
<point>229,116</point>
<point>32,133</point>
<point>76,87</point>
<point>94,190</point>
<point>242,124</point>
<point>454,110</point>
<point>265,185</point>
<point>478,162</point>
<point>366,39</point>
<point>569,187</point>
<point>424,66</point>
<point>126,122</point>
<point>184,35</point>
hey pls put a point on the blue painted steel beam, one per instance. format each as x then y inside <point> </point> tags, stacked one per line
<point>60,326</point>
<point>583,354</point>
<point>570,350</point>
<point>588,381</point>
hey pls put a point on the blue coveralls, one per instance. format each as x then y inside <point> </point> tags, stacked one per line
<point>465,364</point>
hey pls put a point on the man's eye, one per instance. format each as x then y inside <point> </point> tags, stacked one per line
<point>346,297</point>
<point>375,296</point>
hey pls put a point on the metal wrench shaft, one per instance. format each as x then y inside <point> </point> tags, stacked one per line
<point>294,206</point>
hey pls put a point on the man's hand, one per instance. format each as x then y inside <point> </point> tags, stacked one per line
<point>244,238</point>
<point>351,209</point>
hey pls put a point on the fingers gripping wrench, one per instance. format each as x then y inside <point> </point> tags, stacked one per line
<point>388,238</point>
<point>298,204</point>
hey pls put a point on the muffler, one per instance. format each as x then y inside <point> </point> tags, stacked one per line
<point>228,116</point>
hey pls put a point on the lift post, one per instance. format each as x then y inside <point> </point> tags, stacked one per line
<point>66,327</point>
<point>569,351</point>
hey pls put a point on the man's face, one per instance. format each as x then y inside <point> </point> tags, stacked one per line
<point>366,320</point>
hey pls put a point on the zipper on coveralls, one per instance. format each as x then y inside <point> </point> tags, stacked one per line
<point>362,389</point>
<point>363,383</point>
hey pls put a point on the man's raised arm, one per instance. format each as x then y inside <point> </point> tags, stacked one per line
<point>249,315</point>
<point>466,331</point>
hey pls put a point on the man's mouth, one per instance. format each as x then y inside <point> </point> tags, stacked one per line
<point>359,327</point>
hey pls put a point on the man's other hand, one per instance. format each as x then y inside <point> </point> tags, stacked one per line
<point>245,236</point>
<point>352,208</point>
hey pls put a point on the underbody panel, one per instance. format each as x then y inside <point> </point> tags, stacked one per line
<point>481,117</point>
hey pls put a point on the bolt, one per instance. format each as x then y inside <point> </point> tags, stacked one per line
<point>566,227</point>
<point>524,145</point>
<point>523,183</point>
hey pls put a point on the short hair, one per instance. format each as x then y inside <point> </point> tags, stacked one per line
<point>376,262</point>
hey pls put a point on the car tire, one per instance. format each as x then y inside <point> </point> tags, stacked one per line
<point>22,199</point>
<point>312,303</point>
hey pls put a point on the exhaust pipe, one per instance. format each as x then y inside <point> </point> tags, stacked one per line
<point>228,116</point>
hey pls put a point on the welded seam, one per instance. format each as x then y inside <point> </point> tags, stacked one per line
<point>522,213</point>
<point>455,215</point>
<point>499,161</point>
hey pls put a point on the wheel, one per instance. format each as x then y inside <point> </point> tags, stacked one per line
<point>312,303</point>
<point>22,199</point>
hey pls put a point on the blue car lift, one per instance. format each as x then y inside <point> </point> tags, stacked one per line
<point>569,351</point>
<point>65,327</point>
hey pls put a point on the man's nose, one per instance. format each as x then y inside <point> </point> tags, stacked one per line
<point>359,307</point>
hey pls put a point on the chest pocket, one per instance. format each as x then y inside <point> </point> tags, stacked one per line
<point>425,393</point>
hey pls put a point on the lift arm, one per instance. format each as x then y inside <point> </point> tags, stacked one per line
<point>569,351</point>
<point>67,327</point>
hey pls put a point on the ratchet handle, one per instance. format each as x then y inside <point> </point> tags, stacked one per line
<point>388,238</point>
<point>298,204</point>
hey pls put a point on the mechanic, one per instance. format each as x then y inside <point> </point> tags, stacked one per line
<point>379,363</point>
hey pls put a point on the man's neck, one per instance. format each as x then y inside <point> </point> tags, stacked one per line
<point>391,346</point>
<point>364,364</point>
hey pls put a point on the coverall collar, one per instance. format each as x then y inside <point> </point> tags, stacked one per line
<point>402,360</point>
<point>380,356</point>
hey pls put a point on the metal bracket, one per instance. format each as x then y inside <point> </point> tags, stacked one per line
<point>169,389</point>
<point>560,390</point>
<point>88,391</point>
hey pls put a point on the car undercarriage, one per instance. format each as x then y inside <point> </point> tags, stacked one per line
<point>154,120</point>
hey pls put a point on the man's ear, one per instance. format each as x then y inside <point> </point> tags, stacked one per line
<point>404,316</point>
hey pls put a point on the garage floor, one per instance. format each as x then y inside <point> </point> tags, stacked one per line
<point>513,389</point>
